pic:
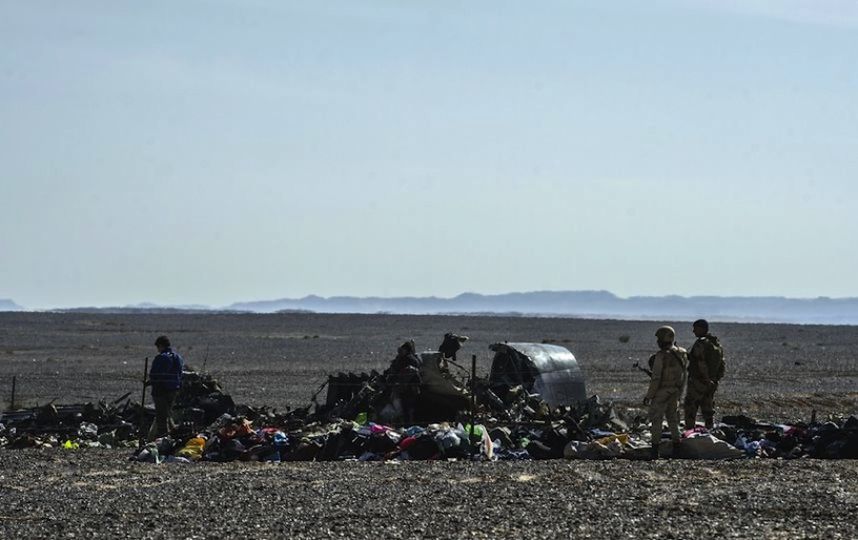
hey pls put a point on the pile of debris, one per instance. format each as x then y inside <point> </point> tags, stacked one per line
<point>70,426</point>
<point>117,424</point>
<point>299,435</point>
<point>425,407</point>
<point>590,430</point>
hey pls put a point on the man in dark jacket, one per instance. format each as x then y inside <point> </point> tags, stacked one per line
<point>165,378</point>
<point>405,379</point>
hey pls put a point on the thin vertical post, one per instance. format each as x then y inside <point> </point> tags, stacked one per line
<point>473,391</point>
<point>14,388</point>
<point>140,434</point>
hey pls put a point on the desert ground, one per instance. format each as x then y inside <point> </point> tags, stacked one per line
<point>775,372</point>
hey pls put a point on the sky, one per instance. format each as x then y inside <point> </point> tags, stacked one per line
<point>206,152</point>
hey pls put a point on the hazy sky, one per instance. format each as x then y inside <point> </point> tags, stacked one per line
<point>208,152</point>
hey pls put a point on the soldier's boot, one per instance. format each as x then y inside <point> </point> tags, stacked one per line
<point>710,422</point>
<point>690,421</point>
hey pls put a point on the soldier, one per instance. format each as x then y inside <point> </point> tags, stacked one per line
<point>669,366</point>
<point>705,370</point>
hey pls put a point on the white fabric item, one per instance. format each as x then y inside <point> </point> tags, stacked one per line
<point>706,446</point>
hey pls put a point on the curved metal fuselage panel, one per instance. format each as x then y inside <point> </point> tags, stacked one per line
<point>549,370</point>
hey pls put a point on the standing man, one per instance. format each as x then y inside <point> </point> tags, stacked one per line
<point>404,376</point>
<point>705,369</point>
<point>669,366</point>
<point>165,378</point>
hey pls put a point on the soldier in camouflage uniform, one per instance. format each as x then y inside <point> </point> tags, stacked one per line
<point>669,367</point>
<point>705,369</point>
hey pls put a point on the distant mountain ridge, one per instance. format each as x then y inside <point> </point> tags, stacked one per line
<point>602,304</point>
<point>6,304</point>
<point>580,304</point>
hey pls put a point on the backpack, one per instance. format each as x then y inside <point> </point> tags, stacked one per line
<point>678,354</point>
<point>713,355</point>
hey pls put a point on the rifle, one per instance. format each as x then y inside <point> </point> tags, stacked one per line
<point>638,366</point>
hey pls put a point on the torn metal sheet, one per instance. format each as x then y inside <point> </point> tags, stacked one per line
<point>549,370</point>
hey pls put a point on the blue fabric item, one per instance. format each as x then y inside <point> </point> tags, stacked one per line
<point>281,439</point>
<point>166,372</point>
<point>509,455</point>
<point>414,430</point>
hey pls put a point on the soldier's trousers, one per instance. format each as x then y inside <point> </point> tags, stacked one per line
<point>664,406</point>
<point>699,397</point>
<point>163,423</point>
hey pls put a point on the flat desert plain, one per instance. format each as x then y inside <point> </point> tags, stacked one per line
<point>774,372</point>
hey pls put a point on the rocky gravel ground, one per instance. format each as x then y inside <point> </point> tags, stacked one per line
<point>97,494</point>
<point>774,371</point>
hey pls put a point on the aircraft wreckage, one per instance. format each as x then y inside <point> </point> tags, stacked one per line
<point>437,392</point>
<point>531,405</point>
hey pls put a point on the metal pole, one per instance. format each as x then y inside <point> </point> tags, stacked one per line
<point>14,385</point>
<point>473,392</point>
<point>143,404</point>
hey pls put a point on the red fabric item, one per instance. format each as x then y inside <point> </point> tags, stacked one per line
<point>406,442</point>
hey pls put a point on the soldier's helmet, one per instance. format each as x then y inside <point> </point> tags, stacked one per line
<point>665,334</point>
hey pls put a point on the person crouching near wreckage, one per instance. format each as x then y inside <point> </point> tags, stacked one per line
<point>669,372</point>
<point>404,378</point>
<point>165,378</point>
